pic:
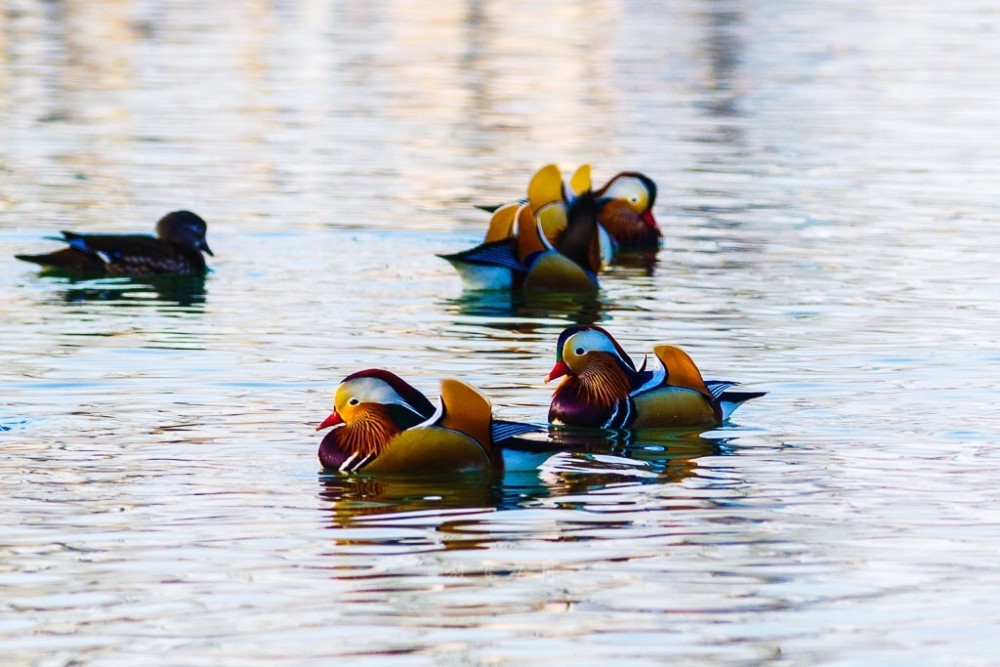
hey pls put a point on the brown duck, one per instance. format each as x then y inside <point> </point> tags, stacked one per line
<point>176,250</point>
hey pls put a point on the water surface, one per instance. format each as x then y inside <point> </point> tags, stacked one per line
<point>828,191</point>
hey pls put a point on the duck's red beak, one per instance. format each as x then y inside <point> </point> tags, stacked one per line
<point>648,218</point>
<point>332,420</point>
<point>557,371</point>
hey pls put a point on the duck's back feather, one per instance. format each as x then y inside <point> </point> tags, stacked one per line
<point>120,255</point>
<point>672,407</point>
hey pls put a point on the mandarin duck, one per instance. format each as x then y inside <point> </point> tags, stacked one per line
<point>602,388</point>
<point>383,424</point>
<point>625,210</point>
<point>176,249</point>
<point>517,253</point>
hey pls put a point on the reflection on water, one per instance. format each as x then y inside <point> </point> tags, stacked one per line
<point>636,262</point>
<point>725,53</point>
<point>517,310</point>
<point>185,291</point>
<point>359,496</point>
<point>650,458</point>
<point>568,463</point>
<point>826,235</point>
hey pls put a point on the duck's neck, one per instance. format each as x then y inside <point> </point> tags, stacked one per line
<point>366,436</point>
<point>603,382</point>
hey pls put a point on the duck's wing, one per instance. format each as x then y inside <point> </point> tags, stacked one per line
<point>676,396</point>
<point>546,186</point>
<point>457,438</point>
<point>111,248</point>
<point>580,182</point>
<point>681,370</point>
<point>134,254</point>
<point>94,253</point>
<point>492,265</point>
<point>502,223</point>
<point>501,430</point>
<point>501,253</point>
<point>548,269</point>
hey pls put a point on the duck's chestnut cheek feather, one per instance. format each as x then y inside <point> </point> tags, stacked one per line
<point>557,371</point>
<point>332,420</point>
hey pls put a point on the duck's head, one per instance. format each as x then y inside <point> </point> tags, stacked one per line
<point>633,190</point>
<point>367,391</point>
<point>580,345</point>
<point>184,228</point>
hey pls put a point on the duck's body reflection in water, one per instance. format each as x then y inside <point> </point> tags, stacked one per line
<point>571,463</point>
<point>358,496</point>
<point>636,262</point>
<point>186,291</point>
<point>511,310</point>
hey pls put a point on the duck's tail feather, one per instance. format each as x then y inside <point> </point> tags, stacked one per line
<point>496,253</point>
<point>35,259</point>
<point>730,400</point>
<point>718,387</point>
<point>69,259</point>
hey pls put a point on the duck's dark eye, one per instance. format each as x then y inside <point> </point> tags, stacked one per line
<point>580,351</point>
<point>635,200</point>
<point>353,401</point>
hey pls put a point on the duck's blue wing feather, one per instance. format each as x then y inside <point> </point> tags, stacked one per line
<point>501,430</point>
<point>501,253</point>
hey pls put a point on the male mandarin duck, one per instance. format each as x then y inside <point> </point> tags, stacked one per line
<point>625,210</point>
<point>602,387</point>
<point>176,249</point>
<point>550,197</point>
<point>383,424</point>
<point>517,253</point>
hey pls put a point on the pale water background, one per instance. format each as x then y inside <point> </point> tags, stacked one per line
<point>830,191</point>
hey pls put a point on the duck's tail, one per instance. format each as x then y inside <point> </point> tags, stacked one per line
<point>730,400</point>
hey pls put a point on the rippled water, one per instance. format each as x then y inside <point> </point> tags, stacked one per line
<point>828,187</point>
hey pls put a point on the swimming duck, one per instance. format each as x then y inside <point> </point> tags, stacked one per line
<point>625,210</point>
<point>517,253</point>
<point>550,196</point>
<point>176,249</point>
<point>602,387</point>
<point>383,424</point>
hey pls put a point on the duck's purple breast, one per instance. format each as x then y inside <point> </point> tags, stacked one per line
<point>331,455</point>
<point>569,406</point>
